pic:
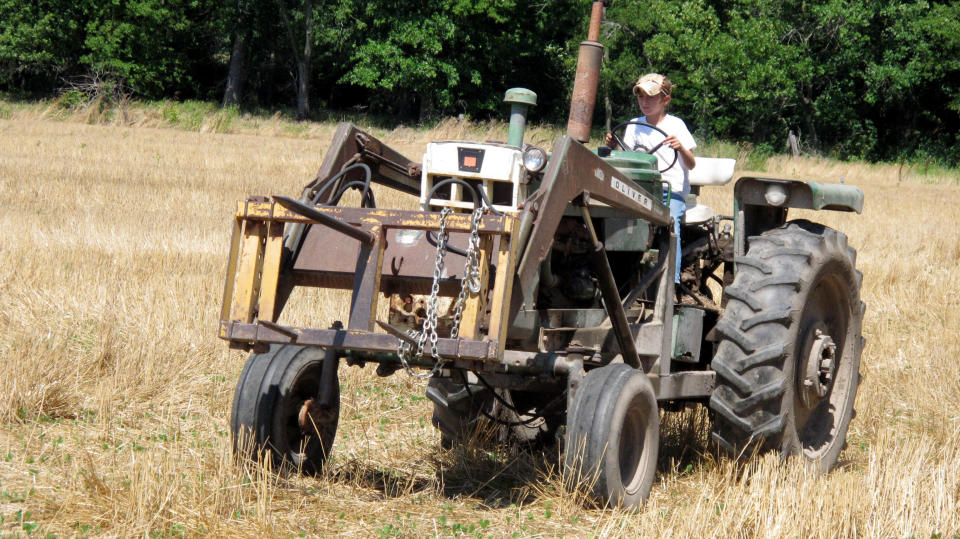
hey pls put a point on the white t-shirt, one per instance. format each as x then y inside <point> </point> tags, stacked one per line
<point>678,175</point>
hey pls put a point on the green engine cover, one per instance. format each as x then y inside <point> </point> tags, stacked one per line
<point>640,167</point>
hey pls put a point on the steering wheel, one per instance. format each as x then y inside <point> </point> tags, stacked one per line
<point>623,125</point>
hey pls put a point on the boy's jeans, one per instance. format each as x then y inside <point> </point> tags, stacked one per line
<point>677,209</point>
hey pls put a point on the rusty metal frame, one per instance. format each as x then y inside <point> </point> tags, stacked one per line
<point>573,172</point>
<point>250,311</point>
<point>388,166</point>
<point>576,176</point>
<point>348,339</point>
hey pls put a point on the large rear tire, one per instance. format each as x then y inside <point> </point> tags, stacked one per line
<point>278,408</point>
<point>613,436</point>
<point>789,357</point>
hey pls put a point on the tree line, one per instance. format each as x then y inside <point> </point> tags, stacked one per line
<point>874,79</point>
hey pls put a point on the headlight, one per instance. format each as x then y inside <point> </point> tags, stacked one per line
<point>775,195</point>
<point>534,159</point>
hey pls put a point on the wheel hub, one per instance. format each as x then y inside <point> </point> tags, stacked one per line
<point>818,369</point>
<point>312,416</point>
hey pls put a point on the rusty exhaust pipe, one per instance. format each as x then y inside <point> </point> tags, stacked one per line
<point>588,74</point>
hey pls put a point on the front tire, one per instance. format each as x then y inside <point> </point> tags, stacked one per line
<point>613,436</point>
<point>279,409</point>
<point>788,360</point>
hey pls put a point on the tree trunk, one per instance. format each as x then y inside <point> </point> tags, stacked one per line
<point>608,110</point>
<point>426,108</point>
<point>237,75</point>
<point>303,90</point>
<point>808,117</point>
<point>793,143</point>
<point>303,64</point>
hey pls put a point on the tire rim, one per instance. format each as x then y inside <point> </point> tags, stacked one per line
<point>305,422</point>
<point>822,365</point>
<point>632,452</point>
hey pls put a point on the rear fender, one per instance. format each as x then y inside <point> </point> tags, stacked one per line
<point>761,204</point>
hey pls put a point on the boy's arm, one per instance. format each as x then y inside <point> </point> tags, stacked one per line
<point>610,141</point>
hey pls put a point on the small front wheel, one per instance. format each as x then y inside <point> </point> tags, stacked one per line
<point>281,407</point>
<point>613,435</point>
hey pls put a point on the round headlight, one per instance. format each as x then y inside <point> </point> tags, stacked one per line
<point>775,195</point>
<point>534,159</point>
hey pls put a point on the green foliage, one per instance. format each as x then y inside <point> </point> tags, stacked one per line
<point>459,56</point>
<point>188,115</point>
<point>38,41</point>
<point>72,99</point>
<point>868,80</point>
<point>150,43</point>
<point>878,79</point>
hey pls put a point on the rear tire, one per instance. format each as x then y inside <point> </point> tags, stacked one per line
<point>613,436</point>
<point>788,362</point>
<point>277,410</point>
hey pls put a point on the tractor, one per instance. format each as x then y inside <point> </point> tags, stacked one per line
<point>535,289</point>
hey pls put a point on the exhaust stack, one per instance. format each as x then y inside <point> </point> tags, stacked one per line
<point>588,74</point>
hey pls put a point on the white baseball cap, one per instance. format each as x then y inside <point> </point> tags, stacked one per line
<point>653,84</point>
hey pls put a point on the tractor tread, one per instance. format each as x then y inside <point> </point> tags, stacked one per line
<point>724,370</point>
<point>754,424</point>
<point>744,296</point>
<point>788,279</point>
<point>782,315</point>
<point>754,262</point>
<point>732,333</point>
<point>753,400</point>
<point>735,366</point>
<point>758,396</point>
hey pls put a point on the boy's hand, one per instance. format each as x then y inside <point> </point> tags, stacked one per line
<point>688,160</point>
<point>673,143</point>
<point>610,141</point>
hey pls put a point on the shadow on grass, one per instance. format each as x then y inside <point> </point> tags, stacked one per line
<point>685,440</point>
<point>391,483</point>
<point>499,473</point>
<point>497,476</point>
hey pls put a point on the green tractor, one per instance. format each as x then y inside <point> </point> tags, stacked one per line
<point>536,290</point>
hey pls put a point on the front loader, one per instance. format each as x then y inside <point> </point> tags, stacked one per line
<point>535,289</point>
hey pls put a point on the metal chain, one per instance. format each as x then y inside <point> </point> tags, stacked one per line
<point>430,320</point>
<point>405,353</point>
<point>471,272</point>
<point>470,282</point>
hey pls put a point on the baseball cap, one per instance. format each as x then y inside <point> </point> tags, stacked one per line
<point>652,84</point>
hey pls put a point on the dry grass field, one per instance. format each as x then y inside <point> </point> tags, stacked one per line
<point>115,392</point>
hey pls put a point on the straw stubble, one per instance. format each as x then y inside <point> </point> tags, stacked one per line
<point>115,392</point>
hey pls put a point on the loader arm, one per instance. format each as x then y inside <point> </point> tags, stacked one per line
<point>576,176</point>
<point>574,172</point>
<point>351,145</point>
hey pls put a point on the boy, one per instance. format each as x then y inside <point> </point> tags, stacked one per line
<point>653,96</point>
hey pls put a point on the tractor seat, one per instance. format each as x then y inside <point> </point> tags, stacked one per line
<point>713,171</point>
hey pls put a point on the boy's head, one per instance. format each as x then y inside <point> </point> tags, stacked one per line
<point>653,93</point>
<point>652,84</point>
